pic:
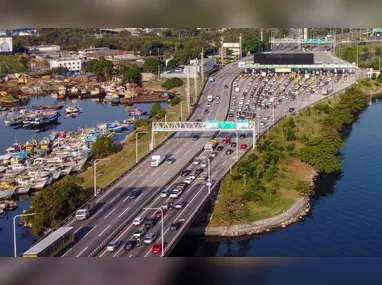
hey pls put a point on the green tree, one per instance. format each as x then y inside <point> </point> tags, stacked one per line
<point>171,64</point>
<point>379,78</point>
<point>374,76</point>
<point>378,51</point>
<point>175,101</point>
<point>100,67</point>
<point>305,188</point>
<point>60,70</point>
<point>172,83</point>
<point>290,148</point>
<point>151,65</point>
<point>132,75</point>
<point>253,45</point>
<point>103,147</point>
<point>56,202</point>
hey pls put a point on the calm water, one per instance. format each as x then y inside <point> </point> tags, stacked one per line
<point>93,113</point>
<point>345,219</point>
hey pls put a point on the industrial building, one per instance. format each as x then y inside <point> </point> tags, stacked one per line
<point>71,63</point>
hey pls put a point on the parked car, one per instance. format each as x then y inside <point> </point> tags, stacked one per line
<point>157,248</point>
<point>134,194</point>
<point>180,204</point>
<point>233,144</point>
<point>243,146</point>
<point>138,221</point>
<point>113,245</point>
<point>214,154</point>
<point>130,244</point>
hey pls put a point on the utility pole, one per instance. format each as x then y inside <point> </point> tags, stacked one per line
<point>188,90</point>
<point>196,78</point>
<point>240,43</point>
<point>261,34</point>
<point>202,65</point>
<point>221,50</point>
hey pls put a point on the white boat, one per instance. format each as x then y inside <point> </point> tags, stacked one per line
<point>39,184</point>
<point>66,170</point>
<point>79,164</point>
<point>95,91</point>
<point>16,167</point>
<point>38,173</point>
<point>73,110</point>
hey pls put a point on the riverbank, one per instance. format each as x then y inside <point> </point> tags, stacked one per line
<point>267,187</point>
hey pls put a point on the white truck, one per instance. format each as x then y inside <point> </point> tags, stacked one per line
<point>237,89</point>
<point>210,145</point>
<point>86,211</point>
<point>157,159</point>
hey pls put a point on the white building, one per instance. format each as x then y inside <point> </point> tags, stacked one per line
<point>72,63</point>
<point>209,65</point>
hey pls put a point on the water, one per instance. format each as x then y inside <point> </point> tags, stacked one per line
<point>93,113</point>
<point>345,219</point>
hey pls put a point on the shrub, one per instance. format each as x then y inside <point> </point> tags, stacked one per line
<point>175,101</point>
<point>172,83</point>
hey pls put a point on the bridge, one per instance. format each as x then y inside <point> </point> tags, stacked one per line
<point>115,211</point>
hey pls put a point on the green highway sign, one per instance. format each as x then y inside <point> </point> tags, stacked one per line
<point>227,125</point>
<point>214,124</point>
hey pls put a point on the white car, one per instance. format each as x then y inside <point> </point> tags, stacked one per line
<point>113,245</point>
<point>203,164</point>
<point>189,180</point>
<point>210,183</point>
<point>196,161</point>
<point>176,193</point>
<point>165,193</point>
<point>217,102</point>
<point>138,221</point>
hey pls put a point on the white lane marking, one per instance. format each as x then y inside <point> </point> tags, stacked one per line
<point>143,183</point>
<point>110,213</point>
<point>90,231</point>
<point>78,229</point>
<point>67,252</point>
<point>186,143</point>
<point>125,199</point>
<point>130,255</point>
<point>224,162</point>
<point>155,172</point>
<point>188,151</point>
<point>155,182</point>
<point>82,251</point>
<point>104,230</point>
<point>96,214</point>
<point>123,212</point>
<point>111,201</point>
<point>178,151</point>
<point>138,198</point>
<point>103,253</point>
<point>165,172</point>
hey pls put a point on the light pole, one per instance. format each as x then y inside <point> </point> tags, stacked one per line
<point>379,62</point>
<point>161,227</point>
<point>14,230</point>
<point>209,176</point>
<point>237,147</point>
<point>273,115</point>
<point>136,145</point>
<point>95,174</point>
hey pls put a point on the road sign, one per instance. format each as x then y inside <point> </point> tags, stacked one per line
<point>242,124</point>
<point>211,124</point>
<point>227,125</point>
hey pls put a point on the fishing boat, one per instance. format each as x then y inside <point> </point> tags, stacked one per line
<point>116,127</point>
<point>14,148</point>
<point>46,118</point>
<point>6,191</point>
<point>16,167</point>
<point>73,110</point>
<point>79,164</point>
<point>14,121</point>
<point>84,91</point>
<point>110,97</point>
<point>61,92</point>
<point>95,91</point>
<point>53,135</point>
<point>23,190</point>
<point>74,90</point>
<point>30,146</point>
<point>39,183</point>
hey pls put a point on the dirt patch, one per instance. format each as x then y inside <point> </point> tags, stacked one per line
<point>302,170</point>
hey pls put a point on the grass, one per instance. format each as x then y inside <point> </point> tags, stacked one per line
<point>107,171</point>
<point>10,64</point>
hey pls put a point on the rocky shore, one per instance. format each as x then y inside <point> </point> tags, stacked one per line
<point>292,215</point>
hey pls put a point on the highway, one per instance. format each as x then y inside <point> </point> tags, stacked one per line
<point>114,206</point>
<point>196,194</point>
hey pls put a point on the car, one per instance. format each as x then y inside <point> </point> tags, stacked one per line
<point>134,194</point>
<point>180,204</point>
<point>243,146</point>
<point>230,115</point>
<point>140,232</point>
<point>176,225</point>
<point>165,192</point>
<point>199,120</point>
<point>266,107</point>
<point>181,185</point>
<point>167,205</point>
<point>130,244</point>
<point>159,212</point>
<point>150,222</point>
<point>113,245</point>
<point>189,180</point>
<point>291,110</point>
<point>274,106</point>
<point>198,171</point>
<point>208,105</point>
<point>225,141</point>
<point>220,148</point>
<point>170,160</point>
<point>150,238</point>
<point>217,102</point>
<point>242,136</point>
<point>278,102</point>
<point>196,161</point>
<point>185,172</point>
<point>138,221</point>
<point>210,183</point>
<point>233,144</point>
<point>262,123</point>
<point>229,151</point>
<point>204,164</point>
<point>226,86</point>
<point>206,111</point>
<point>214,154</point>
<point>228,138</point>
<point>176,193</point>
<point>195,137</point>
<point>157,248</point>
<point>266,118</point>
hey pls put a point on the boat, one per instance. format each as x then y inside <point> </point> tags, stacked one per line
<point>84,91</point>
<point>30,146</point>
<point>47,118</point>
<point>95,92</point>
<point>74,90</point>
<point>48,107</point>
<point>6,191</point>
<point>23,190</point>
<point>110,97</point>
<point>39,183</point>
<point>14,121</point>
<point>61,92</point>
<point>73,109</point>
<point>53,135</point>
<point>14,148</point>
<point>3,108</point>
<point>115,100</point>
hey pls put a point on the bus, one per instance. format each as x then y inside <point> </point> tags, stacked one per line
<point>53,244</point>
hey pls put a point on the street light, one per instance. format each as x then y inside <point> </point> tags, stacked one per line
<point>379,62</point>
<point>162,225</point>
<point>95,174</point>
<point>237,147</point>
<point>209,176</point>
<point>136,145</point>
<point>14,229</point>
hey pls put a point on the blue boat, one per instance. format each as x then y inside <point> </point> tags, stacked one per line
<point>92,137</point>
<point>45,119</point>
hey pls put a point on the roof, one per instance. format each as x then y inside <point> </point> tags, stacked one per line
<point>36,249</point>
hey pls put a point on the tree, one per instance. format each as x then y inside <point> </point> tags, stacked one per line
<point>151,65</point>
<point>374,76</point>
<point>379,78</point>
<point>175,101</point>
<point>378,51</point>
<point>305,188</point>
<point>103,147</point>
<point>60,70</point>
<point>172,83</point>
<point>171,64</point>
<point>253,45</point>
<point>157,111</point>
<point>100,67</point>
<point>56,202</point>
<point>132,75</point>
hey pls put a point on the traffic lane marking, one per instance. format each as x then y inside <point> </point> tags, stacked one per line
<point>82,251</point>
<point>89,231</point>
<point>104,231</point>
<point>110,213</point>
<point>123,212</point>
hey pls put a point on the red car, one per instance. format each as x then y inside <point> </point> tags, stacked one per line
<point>225,141</point>
<point>157,248</point>
<point>158,213</point>
<point>228,138</point>
<point>274,106</point>
<point>243,146</point>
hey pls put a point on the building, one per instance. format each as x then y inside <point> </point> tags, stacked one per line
<point>72,63</point>
<point>124,55</point>
<point>209,65</point>
<point>33,50</point>
<point>95,53</point>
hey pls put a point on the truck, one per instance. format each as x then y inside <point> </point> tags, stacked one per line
<point>86,211</point>
<point>237,89</point>
<point>202,178</point>
<point>210,145</point>
<point>249,115</point>
<point>157,159</point>
<point>210,98</point>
